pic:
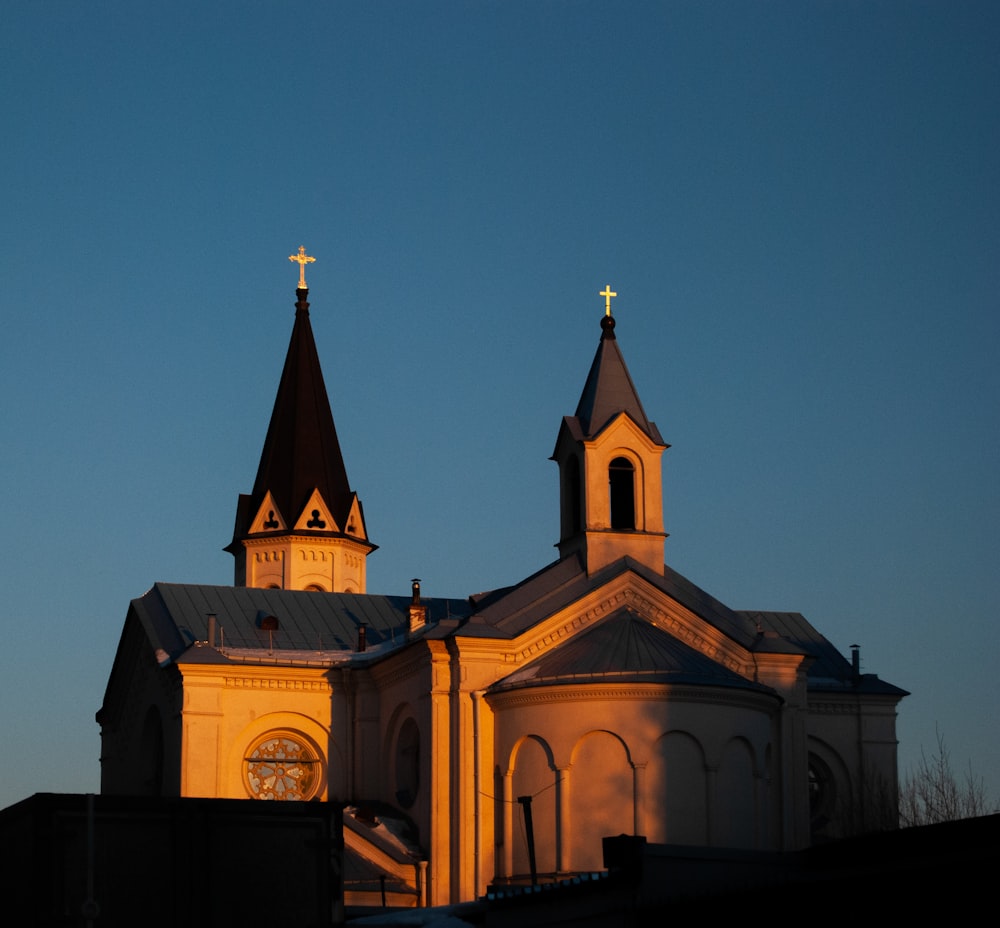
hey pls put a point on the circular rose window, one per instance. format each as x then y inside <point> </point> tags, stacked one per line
<point>282,767</point>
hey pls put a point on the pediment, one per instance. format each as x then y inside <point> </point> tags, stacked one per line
<point>316,516</point>
<point>624,430</point>
<point>628,591</point>
<point>268,517</point>
<point>623,648</point>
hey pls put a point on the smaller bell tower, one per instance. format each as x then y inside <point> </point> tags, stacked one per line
<point>610,471</point>
<point>302,527</point>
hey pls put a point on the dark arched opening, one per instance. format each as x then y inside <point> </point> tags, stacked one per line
<point>621,478</point>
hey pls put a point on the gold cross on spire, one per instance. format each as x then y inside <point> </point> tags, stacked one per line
<point>607,293</point>
<point>303,259</point>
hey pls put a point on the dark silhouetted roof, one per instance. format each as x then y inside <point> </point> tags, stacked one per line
<point>829,670</point>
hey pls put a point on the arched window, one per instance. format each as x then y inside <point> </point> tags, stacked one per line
<point>621,478</point>
<point>822,794</point>
<point>282,767</point>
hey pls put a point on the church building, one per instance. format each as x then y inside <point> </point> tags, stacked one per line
<point>508,731</point>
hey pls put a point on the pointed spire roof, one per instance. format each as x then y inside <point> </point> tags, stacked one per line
<point>609,389</point>
<point>301,451</point>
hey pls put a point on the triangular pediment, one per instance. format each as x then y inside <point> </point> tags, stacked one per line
<point>268,517</point>
<point>642,600</point>
<point>624,430</point>
<point>624,647</point>
<point>316,515</point>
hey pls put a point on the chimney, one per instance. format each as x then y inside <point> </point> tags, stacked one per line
<point>362,637</point>
<point>855,664</point>
<point>418,612</point>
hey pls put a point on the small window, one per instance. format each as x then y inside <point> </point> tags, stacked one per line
<point>621,478</point>
<point>282,767</point>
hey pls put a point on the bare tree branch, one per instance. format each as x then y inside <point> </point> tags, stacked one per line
<point>932,793</point>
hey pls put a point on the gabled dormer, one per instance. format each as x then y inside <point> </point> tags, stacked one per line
<point>302,527</point>
<point>610,478</point>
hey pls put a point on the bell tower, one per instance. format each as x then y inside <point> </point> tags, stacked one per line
<point>610,472</point>
<point>302,527</point>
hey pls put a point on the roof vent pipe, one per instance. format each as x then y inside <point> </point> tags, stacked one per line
<point>362,637</point>
<point>417,611</point>
<point>855,663</point>
<point>211,629</point>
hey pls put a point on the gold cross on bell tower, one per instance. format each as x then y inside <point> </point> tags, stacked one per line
<point>607,293</point>
<point>303,259</point>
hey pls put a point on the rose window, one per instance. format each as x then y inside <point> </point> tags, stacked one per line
<point>282,767</point>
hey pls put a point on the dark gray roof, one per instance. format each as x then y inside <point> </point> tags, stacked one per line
<point>508,612</point>
<point>625,648</point>
<point>299,627</point>
<point>310,625</point>
<point>609,390</point>
<point>829,670</point>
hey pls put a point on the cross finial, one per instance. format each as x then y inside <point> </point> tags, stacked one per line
<point>303,259</point>
<point>607,293</point>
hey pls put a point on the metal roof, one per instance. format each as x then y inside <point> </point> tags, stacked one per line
<point>508,612</point>
<point>829,670</point>
<point>625,648</point>
<point>609,390</point>
<point>311,626</point>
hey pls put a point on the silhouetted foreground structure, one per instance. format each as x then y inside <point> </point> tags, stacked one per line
<point>166,863</point>
<point>605,693</point>
<point>83,860</point>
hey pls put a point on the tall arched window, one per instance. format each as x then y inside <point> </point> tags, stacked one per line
<point>621,478</point>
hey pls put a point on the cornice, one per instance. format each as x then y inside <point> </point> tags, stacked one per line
<point>290,536</point>
<point>648,692</point>
<point>851,704</point>
<point>258,677</point>
<point>233,682</point>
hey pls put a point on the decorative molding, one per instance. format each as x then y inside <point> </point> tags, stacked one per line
<point>278,683</point>
<point>649,692</point>
<point>851,704</point>
<point>676,621</point>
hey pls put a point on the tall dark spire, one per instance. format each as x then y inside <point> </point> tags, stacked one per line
<point>302,526</point>
<point>301,451</point>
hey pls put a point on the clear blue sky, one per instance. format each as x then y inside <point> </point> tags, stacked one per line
<point>797,203</point>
